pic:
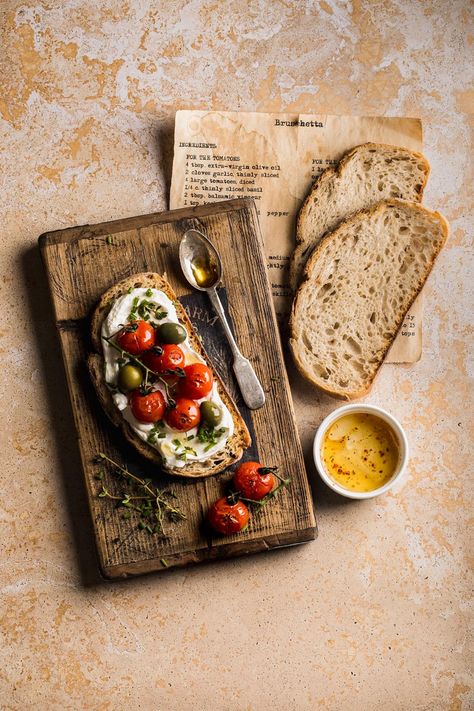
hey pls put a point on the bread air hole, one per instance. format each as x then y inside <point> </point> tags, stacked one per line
<point>353,345</point>
<point>324,288</point>
<point>372,317</point>
<point>320,371</point>
<point>380,186</point>
<point>358,366</point>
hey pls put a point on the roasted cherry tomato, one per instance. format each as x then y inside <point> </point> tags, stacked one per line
<point>149,407</point>
<point>197,382</point>
<point>137,337</point>
<point>184,416</point>
<point>227,516</point>
<point>162,358</point>
<point>253,481</point>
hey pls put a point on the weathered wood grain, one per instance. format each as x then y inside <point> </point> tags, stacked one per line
<point>81,263</point>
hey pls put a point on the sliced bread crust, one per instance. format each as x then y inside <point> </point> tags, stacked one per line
<point>357,288</point>
<point>235,445</point>
<point>365,175</point>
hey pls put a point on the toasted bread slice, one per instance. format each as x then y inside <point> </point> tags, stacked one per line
<point>357,288</point>
<point>235,445</point>
<point>366,175</point>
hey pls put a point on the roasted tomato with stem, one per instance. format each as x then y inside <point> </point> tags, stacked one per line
<point>197,381</point>
<point>228,515</point>
<point>165,358</point>
<point>147,407</point>
<point>254,481</point>
<point>184,416</point>
<point>137,337</point>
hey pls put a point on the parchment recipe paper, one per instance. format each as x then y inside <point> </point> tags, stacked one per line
<point>274,158</point>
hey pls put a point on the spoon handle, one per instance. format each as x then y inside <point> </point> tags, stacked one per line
<point>250,387</point>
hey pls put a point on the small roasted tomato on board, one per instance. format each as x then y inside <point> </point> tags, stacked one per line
<point>136,337</point>
<point>254,481</point>
<point>197,381</point>
<point>228,516</point>
<point>147,407</point>
<point>165,358</point>
<point>184,416</point>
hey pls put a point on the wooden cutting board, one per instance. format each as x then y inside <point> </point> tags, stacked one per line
<point>81,263</point>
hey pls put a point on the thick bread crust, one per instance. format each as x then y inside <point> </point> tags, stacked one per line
<point>308,277</point>
<point>326,177</point>
<point>235,445</point>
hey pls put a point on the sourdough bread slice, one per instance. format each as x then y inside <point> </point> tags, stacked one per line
<point>366,175</point>
<point>357,287</point>
<point>235,445</point>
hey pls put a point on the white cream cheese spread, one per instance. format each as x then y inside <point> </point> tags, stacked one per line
<point>177,448</point>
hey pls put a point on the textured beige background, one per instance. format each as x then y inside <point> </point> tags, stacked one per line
<point>375,613</point>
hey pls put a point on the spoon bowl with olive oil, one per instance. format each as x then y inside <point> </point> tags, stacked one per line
<point>360,451</point>
<point>202,268</point>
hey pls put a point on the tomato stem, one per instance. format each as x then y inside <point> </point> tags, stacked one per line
<point>137,361</point>
<point>268,497</point>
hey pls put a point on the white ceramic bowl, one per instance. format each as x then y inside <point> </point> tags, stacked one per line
<point>397,430</point>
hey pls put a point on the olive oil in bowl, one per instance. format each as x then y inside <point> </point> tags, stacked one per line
<point>360,450</point>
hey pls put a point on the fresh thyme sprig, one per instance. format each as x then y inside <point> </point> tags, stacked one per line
<point>153,506</point>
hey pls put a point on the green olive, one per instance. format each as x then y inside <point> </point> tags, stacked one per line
<point>130,377</point>
<point>171,333</point>
<point>211,413</point>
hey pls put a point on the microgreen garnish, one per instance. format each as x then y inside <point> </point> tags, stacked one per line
<point>145,309</point>
<point>152,507</point>
<point>209,435</point>
<point>132,316</point>
<point>155,433</point>
<point>182,450</point>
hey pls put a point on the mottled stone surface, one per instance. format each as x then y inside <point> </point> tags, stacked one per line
<point>375,613</point>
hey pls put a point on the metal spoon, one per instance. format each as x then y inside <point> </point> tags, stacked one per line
<point>202,267</point>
